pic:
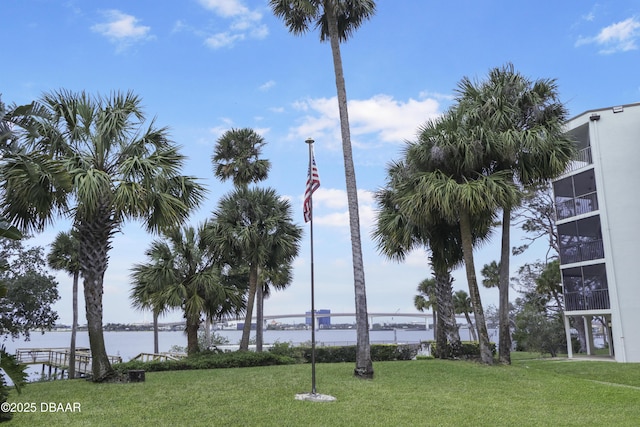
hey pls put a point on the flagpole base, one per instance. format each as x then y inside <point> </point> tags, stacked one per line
<point>315,397</point>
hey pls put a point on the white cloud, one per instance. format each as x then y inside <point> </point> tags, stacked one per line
<point>221,40</point>
<point>245,23</point>
<point>331,209</point>
<point>267,85</point>
<point>381,116</point>
<point>122,29</point>
<point>225,8</point>
<point>619,37</point>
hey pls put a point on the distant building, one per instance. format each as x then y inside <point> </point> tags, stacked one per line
<point>323,318</point>
<point>597,205</point>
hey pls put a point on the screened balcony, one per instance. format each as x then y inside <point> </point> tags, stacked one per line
<point>585,288</point>
<point>580,240</point>
<point>575,195</point>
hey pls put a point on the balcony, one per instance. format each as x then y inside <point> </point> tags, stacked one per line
<point>583,251</point>
<point>577,206</point>
<point>587,300</point>
<point>583,158</point>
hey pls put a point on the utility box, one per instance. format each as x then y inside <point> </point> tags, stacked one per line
<point>136,376</point>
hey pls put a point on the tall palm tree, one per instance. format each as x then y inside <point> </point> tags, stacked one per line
<point>463,305</point>
<point>183,272</point>
<point>254,225</point>
<point>337,20</point>
<point>522,122</point>
<point>453,183</point>
<point>236,156</point>
<point>397,234</point>
<point>65,256</point>
<point>118,167</point>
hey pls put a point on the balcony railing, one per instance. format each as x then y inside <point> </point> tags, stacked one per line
<point>582,159</point>
<point>583,251</point>
<point>589,300</point>
<point>580,205</point>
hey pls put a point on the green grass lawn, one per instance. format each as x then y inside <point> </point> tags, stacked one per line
<point>531,392</point>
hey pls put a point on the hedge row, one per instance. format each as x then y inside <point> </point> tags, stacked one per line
<point>285,353</point>
<point>209,360</point>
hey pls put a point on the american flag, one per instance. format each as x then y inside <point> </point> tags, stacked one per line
<point>313,182</point>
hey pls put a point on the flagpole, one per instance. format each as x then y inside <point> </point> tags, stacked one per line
<point>310,142</point>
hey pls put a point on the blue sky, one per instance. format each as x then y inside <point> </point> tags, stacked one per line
<point>205,66</point>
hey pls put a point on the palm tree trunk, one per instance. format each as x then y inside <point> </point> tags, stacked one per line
<point>100,365</point>
<point>474,293</point>
<point>474,335</point>
<point>246,330</point>
<point>447,337</point>
<point>207,331</point>
<point>155,332</point>
<point>364,365</point>
<point>191,328</point>
<point>436,323</point>
<point>504,340</point>
<point>94,257</point>
<point>74,327</point>
<point>259,315</point>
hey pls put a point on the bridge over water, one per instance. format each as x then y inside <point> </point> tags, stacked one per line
<point>426,317</point>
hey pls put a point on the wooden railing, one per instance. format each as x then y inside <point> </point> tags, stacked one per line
<point>161,357</point>
<point>59,358</point>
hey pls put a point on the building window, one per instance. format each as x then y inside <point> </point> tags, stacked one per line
<point>580,240</point>
<point>575,195</point>
<point>585,288</point>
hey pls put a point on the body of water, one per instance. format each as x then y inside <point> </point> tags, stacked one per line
<point>129,344</point>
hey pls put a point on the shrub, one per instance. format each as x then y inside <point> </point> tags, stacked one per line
<point>379,352</point>
<point>289,350</point>
<point>469,349</point>
<point>209,360</point>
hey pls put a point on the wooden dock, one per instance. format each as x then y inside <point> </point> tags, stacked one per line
<point>159,357</point>
<point>58,359</point>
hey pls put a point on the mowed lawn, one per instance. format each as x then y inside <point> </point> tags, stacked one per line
<point>531,392</point>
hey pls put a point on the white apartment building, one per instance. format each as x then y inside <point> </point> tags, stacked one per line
<point>598,223</point>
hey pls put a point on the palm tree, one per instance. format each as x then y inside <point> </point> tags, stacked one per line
<point>276,278</point>
<point>255,226</point>
<point>463,305</point>
<point>117,168</point>
<point>236,156</point>
<point>522,122</point>
<point>397,235</point>
<point>9,365</point>
<point>337,20</point>
<point>453,183</point>
<point>426,299</point>
<point>142,298</point>
<point>491,275</point>
<point>65,256</point>
<point>183,272</point>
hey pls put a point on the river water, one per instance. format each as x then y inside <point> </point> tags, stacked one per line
<point>129,344</point>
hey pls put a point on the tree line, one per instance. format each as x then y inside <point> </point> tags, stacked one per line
<point>97,161</point>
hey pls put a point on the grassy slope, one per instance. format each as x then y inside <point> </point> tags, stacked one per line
<point>427,392</point>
